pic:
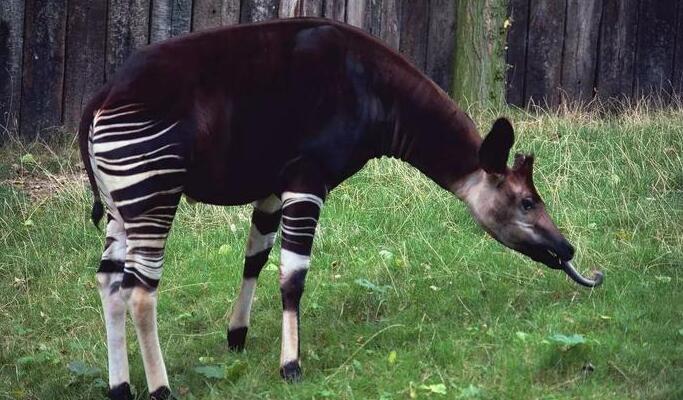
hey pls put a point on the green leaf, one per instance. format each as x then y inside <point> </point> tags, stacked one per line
<point>469,392</point>
<point>79,368</point>
<point>522,335</point>
<point>371,286</point>
<point>224,249</point>
<point>571,340</point>
<point>28,159</point>
<point>211,371</point>
<point>438,388</point>
<point>392,357</point>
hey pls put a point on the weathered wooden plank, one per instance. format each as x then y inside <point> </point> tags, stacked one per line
<point>85,47</point>
<point>617,48</point>
<point>335,9</point>
<point>355,13</point>
<point>11,50</point>
<point>169,18</point>
<point>414,29</point>
<point>212,13</point>
<point>258,10</point>
<point>43,65</point>
<point>580,49</point>
<point>515,57</point>
<point>544,54</point>
<point>127,30</point>
<point>372,16</point>
<point>677,75</point>
<point>479,63</point>
<point>300,8</point>
<point>389,23</point>
<point>655,48</point>
<point>441,43</point>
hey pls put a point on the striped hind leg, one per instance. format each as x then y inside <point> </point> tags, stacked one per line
<point>146,240</point>
<point>109,278</point>
<point>139,165</point>
<point>265,221</point>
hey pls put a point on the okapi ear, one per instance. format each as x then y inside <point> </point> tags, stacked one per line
<point>495,149</point>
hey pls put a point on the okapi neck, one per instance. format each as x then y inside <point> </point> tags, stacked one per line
<point>428,131</point>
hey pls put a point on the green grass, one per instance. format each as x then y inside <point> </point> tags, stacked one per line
<point>441,303</point>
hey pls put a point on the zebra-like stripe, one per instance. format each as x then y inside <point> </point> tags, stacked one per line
<point>138,170</point>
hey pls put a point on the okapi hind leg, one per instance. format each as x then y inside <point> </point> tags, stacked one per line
<point>265,221</point>
<point>147,234</point>
<point>109,277</point>
<point>300,212</point>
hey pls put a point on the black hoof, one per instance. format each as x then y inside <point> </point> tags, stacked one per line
<point>163,393</point>
<point>236,338</point>
<point>291,372</point>
<point>120,392</point>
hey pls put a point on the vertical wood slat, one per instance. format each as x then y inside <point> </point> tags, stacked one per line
<point>617,48</point>
<point>389,24</point>
<point>440,43</point>
<point>414,29</point>
<point>677,74</point>
<point>127,30</point>
<point>43,65</point>
<point>655,48</point>
<point>85,54</point>
<point>258,10</point>
<point>213,13</point>
<point>11,51</point>
<point>355,12</point>
<point>518,16</point>
<point>580,49</point>
<point>335,9</point>
<point>169,18</point>
<point>300,8</point>
<point>544,55</point>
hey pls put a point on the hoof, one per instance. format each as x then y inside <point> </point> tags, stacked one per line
<point>236,338</point>
<point>291,372</point>
<point>120,392</point>
<point>163,393</point>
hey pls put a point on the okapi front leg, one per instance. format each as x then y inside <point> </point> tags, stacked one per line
<point>264,223</point>
<point>300,213</point>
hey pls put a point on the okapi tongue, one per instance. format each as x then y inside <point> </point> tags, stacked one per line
<point>580,279</point>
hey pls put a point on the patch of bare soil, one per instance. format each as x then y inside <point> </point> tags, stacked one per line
<point>40,185</point>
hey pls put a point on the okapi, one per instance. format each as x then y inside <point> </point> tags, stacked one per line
<point>278,114</point>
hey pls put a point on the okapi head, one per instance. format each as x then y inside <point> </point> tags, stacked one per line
<point>506,204</point>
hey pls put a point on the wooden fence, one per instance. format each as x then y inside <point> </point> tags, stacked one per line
<point>54,54</point>
<point>576,50</point>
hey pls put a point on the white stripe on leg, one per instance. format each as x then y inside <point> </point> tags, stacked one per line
<point>143,305</point>
<point>115,321</point>
<point>240,314</point>
<point>290,338</point>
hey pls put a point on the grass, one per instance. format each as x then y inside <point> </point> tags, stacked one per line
<point>406,296</point>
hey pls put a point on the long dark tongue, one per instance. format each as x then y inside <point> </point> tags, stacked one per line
<point>580,279</point>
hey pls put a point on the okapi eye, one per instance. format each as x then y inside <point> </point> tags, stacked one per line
<point>527,204</point>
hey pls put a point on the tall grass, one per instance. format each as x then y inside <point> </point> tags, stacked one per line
<point>406,296</point>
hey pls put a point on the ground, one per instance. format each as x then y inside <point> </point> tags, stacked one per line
<point>406,297</point>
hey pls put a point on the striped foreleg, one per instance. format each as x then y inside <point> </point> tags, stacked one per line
<point>264,224</point>
<point>300,212</point>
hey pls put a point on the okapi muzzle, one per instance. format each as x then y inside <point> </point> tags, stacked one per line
<point>506,204</point>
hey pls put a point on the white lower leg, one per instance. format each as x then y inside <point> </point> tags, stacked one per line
<point>240,314</point>
<point>290,338</point>
<point>143,306</point>
<point>115,320</point>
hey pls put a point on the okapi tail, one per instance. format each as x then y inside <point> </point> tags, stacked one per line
<point>83,142</point>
